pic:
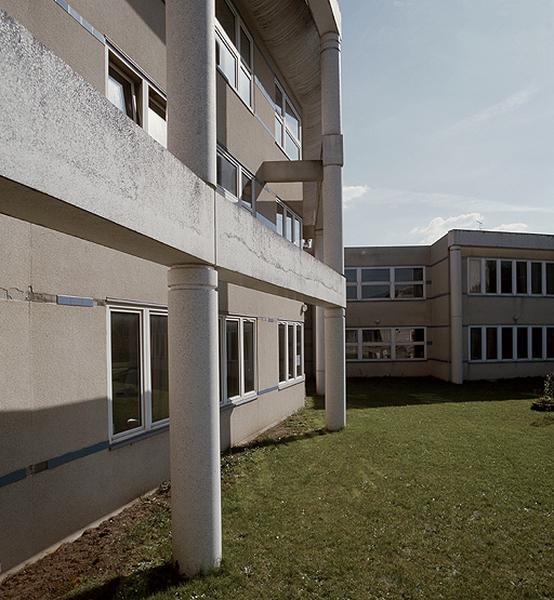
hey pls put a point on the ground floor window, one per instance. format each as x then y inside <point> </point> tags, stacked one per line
<point>138,370</point>
<point>511,343</point>
<point>385,343</point>
<point>291,351</point>
<point>238,359</point>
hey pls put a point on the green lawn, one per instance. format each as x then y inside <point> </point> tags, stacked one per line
<point>433,491</point>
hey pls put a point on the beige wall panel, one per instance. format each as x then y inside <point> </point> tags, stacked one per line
<point>250,303</point>
<point>440,346</point>
<point>439,275</point>
<point>440,310</point>
<point>476,371</point>
<point>15,250</point>
<point>513,253</point>
<point>387,314</point>
<point>63,35</point>
<point>387,369</point>
<point>440,370</point>
<point>265,110</point>
<point>386,256</point>
<point>438,250</point>
<point>499,310</point>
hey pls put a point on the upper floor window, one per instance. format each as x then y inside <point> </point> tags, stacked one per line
<point>234,50</point>
<point>288,224</point>
<point>496,276</point>
<point>385,283</point>
<point>136,96</point>
<point>386,343</point>
<point>287,124</point>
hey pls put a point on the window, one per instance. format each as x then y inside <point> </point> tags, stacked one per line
<point>238,359</point>
<point>386,343</point>
<point>288,224</point>
<point>134,94</point>
<point>291,352</point>
<point>385,283</point>
<point>510,277</point>
<point>234,50</point>
<point>138,377</point>
<point>234,181</point>
<point>511,343</point>
<point>287,124</point>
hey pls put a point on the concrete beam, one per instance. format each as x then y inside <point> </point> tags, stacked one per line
<point>289,171</point>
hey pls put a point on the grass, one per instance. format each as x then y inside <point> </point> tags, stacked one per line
<point>433,491</point>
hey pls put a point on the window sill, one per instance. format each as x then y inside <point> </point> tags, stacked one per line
<point>385,299</point>
<point>286,384</point>
<point>138,437</point>
<point>238,402</point>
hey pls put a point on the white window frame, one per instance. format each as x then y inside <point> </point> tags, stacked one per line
<point>514,329</point>
<point>240,172</point>
<point>514,261</point>
<point>298,328</point>
<point>391,282</point>
<point>142,84</point>
<point>223,38</point>
<point>281,117</point>
<point>144,313</point>
<point>294,217</point>
<point>243,395</point>
<point>393,344</point>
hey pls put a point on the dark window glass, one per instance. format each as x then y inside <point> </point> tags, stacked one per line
<point>522,346</point>
<point>248,352</point>
<point>351,292</point>
<point>350,275</point>
<point>351,352</point>
<point>418,335</point>
<point>536,342</point>
<point>159,370</point>
<point>492,343</point>
<point>246,192</point>
<point>521,277</point>
<point>376,353</point>
<point>226,19</point>
<point>126,371</point>
<point>299,370</point>
<point>375,275</point>
<point>408,291</point>
<point>232,330</point>
<point>122,93</point>
<point>407,352</point>
<point>419,351</point>
<point>375,291</point>
<point>245,51</point>
<point>536,278</point>
<point>226,174</point>
<point>375,336</point>
<point>506,277</point>
<point>550,342</point>
<point>351,336</point>
<point>475,344</point>
<point>490,277</point>
<point>507,343</point>
<point>408,274</point>
<point>282,352</point>
<point>550,278</point>
<point>291,352</point>
<point>278,101</point>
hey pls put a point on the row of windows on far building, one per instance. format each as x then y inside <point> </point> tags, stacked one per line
<point>138,365</point>
<point>385,344</point>
<point>385,283</point>
<point>511,343</point>
<point>499,276</point>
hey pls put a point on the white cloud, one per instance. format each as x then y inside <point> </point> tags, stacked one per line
<point>515,227</point>
<point>352,192</point>
<point>440,226</point>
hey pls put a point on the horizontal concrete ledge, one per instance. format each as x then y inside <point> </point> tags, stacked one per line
<point>290,171</point>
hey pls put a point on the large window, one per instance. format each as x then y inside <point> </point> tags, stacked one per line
<point>288,224</point>
<point>238,359</point>
<point>291,352</point>
<point>287,124</point>
<point>385,343</point>
<point>509,277</point>
<point>234,50</point>
<point>511,343</point>
<point>385,283</point>
<point>138,376</point>
<point>136,96</point>
<point>235,181</point>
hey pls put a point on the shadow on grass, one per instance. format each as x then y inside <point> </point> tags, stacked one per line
<point>382,392</point>
<point>140,584</point>
<point>276,440</point>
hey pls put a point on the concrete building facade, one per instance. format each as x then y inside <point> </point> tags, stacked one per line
<point>170,201</point>
<point>473,305</point>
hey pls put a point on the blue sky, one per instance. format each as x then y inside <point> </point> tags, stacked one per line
<point>448,109</point>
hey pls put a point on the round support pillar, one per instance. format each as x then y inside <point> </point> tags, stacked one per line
<point>335,386</point>
<point>456,324</point>
<point>194,413</point>
<point>319,326</point>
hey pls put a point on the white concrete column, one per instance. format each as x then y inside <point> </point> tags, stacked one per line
<point>319,325</point>
<point>194,414</point>
<point>191,101</point>
<point>335,385</point>
<point>456,328</point>
<point>333,253</point>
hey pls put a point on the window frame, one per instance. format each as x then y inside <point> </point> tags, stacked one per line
<point>392,344</point>
<point>298,327</point>
<point>514,358</point>
<point>243,396</point>
<point>240,172</point>
<point>280,116</point>
<point>391,282</point>
<point>147,425</point>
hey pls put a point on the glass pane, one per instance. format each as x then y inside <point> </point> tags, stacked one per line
<point>282,352</point>
<point>245,49</point>
<point>351,352</point>
<point>408,274</point>
<point>375,274</point>
<point>418,335</point>
<point>121,92</point>
<point>248,352</point>
<point>246,191</point>
<point>245,86</point>
<point>550,278</point>
<point>157,124</point>
<point>375,335</point>
<point>507,343</point>
<point>522,348</point>
<point>297,231</point>
<point>408,291</point>
<point>291,120</point>
<point>226,19</point>
<point>291,352</point>
<point>278,101</point>
<point>492,343</point>
<point>351,336</point>
<point>407,352</point>
<point>474,275</point>
<point>226,174</point>
<point>351,292</point>
<point>506,277</point>
<point>536,342</point>
<point>536,278</point>
<point>126,371</point>
<point>376,353</point>
<point>350,275</point>
<point>226,62</point>
<point>299,369</point>
<point>291,148</point>
<point>419,351</point>
<point>375,291</point>
<point>490,277</point>
<point>521,277</point>
<point>159,369</point>
<point>475,351</point>
<point>288,227</point>
<point>279,221</point>
<point>404,335</point>
<point>232,345</point>
<point>550,342</point>
<point>278,131</point>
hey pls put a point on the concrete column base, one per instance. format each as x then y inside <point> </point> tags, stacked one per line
<point>335,385</point>
<point>194,413</point>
